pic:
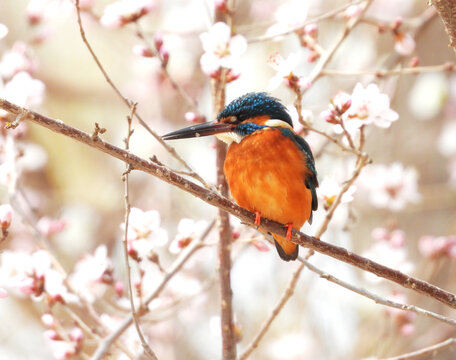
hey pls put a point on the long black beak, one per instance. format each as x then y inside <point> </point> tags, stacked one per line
<point>205,129</point>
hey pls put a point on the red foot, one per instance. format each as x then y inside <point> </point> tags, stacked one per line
<point>257,218</point>
<point>289,230</point>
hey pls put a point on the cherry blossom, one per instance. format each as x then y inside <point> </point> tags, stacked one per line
<point>404,43</point>
<point>391,186</point>
<point>434,247</point>
<point>371,106</point>
<point>123,12</point>
<point>23,90</point>
<point>329,189</point>
<point>33,274</point>
<point>6,216</point>
<point>284,70</point>
<point>395,237</point>
<point>49,226</point>
<point>187,231</point>
<point>221,49</point>
<point>92,274</point>
<point>144,233</point>
<point>17,59</point>
<point>289,16</point>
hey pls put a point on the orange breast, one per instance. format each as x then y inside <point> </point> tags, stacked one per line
<point>266,173</point>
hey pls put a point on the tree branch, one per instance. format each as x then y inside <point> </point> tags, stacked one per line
<point>223,203</point>
<point>447,12</point>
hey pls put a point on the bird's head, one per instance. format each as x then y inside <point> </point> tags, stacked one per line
<point>243,116</point>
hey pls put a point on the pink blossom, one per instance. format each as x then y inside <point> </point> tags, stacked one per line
<point>329,189</point>
<point>391,186</point>
<point>434,247</point>
<point>23,90</point>
<point>352,11</point>
<point>141,50</point>
<point>395,237</point>
<point>144,233</point>
<point>76,335</point>
<point>221,49</point>
<point>92,273</point>
<point>3,30</point>
<point>285,69</point>
<point>187,231</point>
<point>63,350</point>
<point>289,16</point>
<point>33,274</point>
<point>404,43</point>
<point>48,320</point>
<point>16,59</point>
<point>371,106</point>
<point>49,226</point>
<point>6,216</point>
<point>51,334</point>
<point>123,12</point>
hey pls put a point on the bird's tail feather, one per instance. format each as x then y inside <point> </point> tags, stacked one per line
<point>287,250</point>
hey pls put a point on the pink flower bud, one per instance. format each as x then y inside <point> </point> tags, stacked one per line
<point>304,83</point>
<point>141,50</point>
<point>49,226</point>
<point>397,23</point>
<point>352,11</point>
<point>76,335</point>
<point>6,216</point>
<point>236,234</point>
<point>260,245</point>
<point>414,61</point>
<point>313,56</point>
<point>191,117</point>
<point>51,335</point>
<point>26,286</point>
<point>220,5</point>
<point>48,320</point>
<point>119,288</point>
<point>329,117</point>
<point>164,53</point>
<point>311,29</point>
<point>158,40</point>
<point>232,75</point>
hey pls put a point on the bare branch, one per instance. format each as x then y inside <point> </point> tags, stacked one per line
<point>430,350</point>
<point>244,215</point>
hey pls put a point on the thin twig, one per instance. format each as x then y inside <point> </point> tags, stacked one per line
<point>378,299</point>
<point>327,15</point>
<point>430,350</point>
<point>281,303</point>
<point>381,73</point>
<point>147,350</point>
<point>105,344</point>
<point>127,102</point>
<point>215,199</point>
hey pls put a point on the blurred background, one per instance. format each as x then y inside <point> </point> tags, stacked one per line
<point>72,183</point>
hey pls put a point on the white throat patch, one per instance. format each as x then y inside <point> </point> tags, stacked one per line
<point>229,137</point>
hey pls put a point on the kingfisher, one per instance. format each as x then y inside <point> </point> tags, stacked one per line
<point>269,168</point>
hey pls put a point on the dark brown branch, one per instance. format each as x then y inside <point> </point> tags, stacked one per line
<point>447,11</point>
<point>223,203</point>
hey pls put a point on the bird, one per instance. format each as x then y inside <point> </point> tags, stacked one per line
<point>269,168</point>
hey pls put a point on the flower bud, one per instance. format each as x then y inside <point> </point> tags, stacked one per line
<point>6,216</point>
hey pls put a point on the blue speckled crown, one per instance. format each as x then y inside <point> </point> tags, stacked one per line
<point>255,104</point>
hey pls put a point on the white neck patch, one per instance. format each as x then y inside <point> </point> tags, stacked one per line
<point>229,137</point>
<point>278,123</point>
